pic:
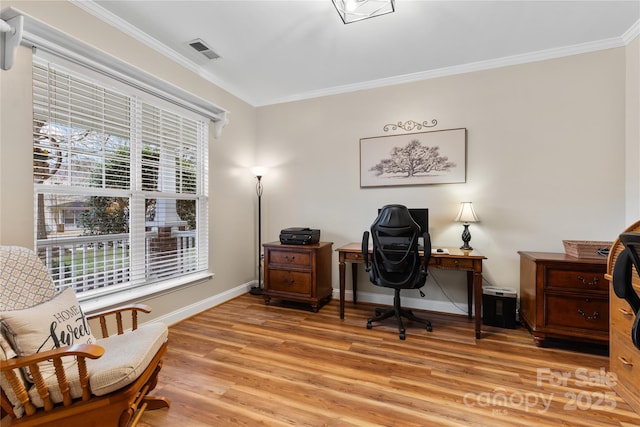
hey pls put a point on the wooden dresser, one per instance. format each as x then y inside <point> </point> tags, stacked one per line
<point>624,357</point>
<point>298,273</point>
<point>564,297</point>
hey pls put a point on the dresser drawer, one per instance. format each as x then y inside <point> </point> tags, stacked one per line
<point>288,281</point>
<point>621,316</point>
<point>576,312</point>
<point>456,264</point>
<point>624,359</point>
<point>585,279</point>
<point>298,259</point>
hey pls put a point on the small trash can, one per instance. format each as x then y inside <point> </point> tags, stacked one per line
<point>499,307</point>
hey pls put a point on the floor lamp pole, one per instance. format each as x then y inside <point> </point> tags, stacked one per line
<point>258,289</point>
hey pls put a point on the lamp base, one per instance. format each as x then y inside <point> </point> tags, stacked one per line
<point>256,291</point>
<point>466,238</point>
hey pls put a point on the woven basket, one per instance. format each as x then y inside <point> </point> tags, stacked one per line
<point>587,249</point>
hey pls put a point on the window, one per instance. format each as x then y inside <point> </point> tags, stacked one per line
<point>120,180</point>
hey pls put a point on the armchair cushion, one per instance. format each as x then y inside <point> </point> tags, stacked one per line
<point>126,356</point>
<point>24,279</point>
<point>52,324</point>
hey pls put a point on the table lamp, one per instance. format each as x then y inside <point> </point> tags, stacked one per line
<point>466,215</point>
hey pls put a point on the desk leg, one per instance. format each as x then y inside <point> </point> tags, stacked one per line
<point>470,289</point>
<point>477,295</point>
<point>341,268</point>
<point>354,281</point>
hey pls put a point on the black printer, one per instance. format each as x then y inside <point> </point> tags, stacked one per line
<point>299,236</point>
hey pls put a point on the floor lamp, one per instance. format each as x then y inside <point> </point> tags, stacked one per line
<point>259,172</point>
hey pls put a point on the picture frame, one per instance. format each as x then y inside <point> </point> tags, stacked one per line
<point>422,158</point>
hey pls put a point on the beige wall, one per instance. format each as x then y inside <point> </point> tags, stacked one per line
<point>546,142</point>
<point>546,149</point>
<point>232,201</point>
<point>633,130</point>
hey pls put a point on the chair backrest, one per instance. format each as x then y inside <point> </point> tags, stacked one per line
<point>623,278</point>
<point>24,279</point>
<point>395,259</point>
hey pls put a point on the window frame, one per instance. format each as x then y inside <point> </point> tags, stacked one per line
<point>96,300</point>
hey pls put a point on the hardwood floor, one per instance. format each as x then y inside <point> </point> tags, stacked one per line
<point>244,363</point>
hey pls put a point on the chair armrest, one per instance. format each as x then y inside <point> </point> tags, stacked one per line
<point>80,351</point>
<point>117,312</point>
<point>92,351</point>
<point>365,249</point>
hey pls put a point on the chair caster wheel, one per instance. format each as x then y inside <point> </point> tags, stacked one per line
<point>402,335</point>
<point>369,325</point>
<point>429,328</point>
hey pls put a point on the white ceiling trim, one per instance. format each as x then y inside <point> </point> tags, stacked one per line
<point>543,55</point>
<point>631,33</point>
<point>462,69</point>
<point>122,25</point>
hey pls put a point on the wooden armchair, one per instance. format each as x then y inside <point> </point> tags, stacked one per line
<point>101,383</point>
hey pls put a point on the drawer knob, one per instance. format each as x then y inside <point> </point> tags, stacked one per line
<point>289,258</point>
<point>594,316</point>
<point>594,282</point>
<point>625,312</point>
<point>624,361</point>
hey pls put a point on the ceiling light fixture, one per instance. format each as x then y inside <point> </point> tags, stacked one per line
<point>357,10</point>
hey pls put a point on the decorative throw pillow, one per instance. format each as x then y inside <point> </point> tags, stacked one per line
<point>58,322</point>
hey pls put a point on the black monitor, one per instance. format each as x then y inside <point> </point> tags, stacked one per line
<point>420,216</point>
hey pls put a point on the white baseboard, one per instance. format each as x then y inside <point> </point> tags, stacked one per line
<point>370,297</point>
<point>200,306</point>
<point>408,302</point>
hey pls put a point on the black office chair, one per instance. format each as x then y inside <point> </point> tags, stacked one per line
<point>623,276</point>
<point>395,260</point>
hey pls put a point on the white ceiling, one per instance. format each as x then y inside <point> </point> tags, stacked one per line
<point>278,51</point>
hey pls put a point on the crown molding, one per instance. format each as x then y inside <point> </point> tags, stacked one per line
<point>115,21</point>
<point>91,7</point>
<point>631,33</point>
<point>542,55</point>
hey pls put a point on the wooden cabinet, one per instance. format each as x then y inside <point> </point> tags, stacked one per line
<point>298,273</point>
<point>564,297</point>
<point>624,357</point>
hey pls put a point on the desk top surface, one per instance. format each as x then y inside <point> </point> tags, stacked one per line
<point>454,252</point>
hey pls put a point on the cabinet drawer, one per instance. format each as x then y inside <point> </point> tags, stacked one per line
<point>455,264</point>
<point>624,359</point>
<point>621,316</point>
<point>299,259</point>
<point>584,279</point>
<point>293,282</point>
<point>575,312</point>
<point>353,257</point>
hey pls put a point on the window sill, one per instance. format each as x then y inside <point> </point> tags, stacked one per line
<point>94,303</point>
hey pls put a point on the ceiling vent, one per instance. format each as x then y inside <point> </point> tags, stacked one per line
<point>201,47</point>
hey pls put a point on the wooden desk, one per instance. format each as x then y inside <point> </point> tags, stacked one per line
<point>456,259</point>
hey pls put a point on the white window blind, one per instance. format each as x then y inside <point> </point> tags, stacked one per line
<point>120,181</point>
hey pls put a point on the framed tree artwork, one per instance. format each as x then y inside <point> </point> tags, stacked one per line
<point>436,157</point>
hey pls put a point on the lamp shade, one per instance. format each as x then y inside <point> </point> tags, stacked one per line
<point>357,10</point>
<point>259,171</point>
<point>466,213</point>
